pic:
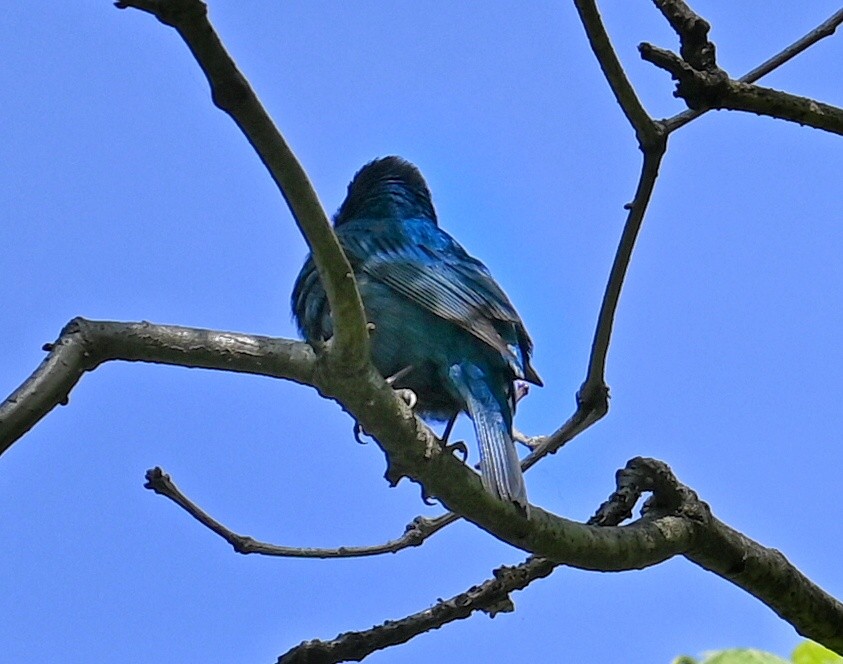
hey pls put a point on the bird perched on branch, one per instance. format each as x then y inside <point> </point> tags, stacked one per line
<point>439,324</point>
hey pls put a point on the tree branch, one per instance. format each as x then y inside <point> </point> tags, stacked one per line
<point>411,447</point>
<point>232,93</point>
<point>593,395</point>
<point>83,345</point>
<point>492,597</point>
<point>825,29</point>
<point>160,482</point>
<point>692,31</point>
<point>763,572</point>
<point>704,86</point>
<point>646,130</point>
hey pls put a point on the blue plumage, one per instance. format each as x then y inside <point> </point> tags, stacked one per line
<point>441,323</point>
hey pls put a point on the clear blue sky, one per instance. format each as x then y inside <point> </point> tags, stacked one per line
<point>127,196</point>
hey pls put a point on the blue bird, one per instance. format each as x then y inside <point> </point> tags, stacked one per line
<point>440,325</point>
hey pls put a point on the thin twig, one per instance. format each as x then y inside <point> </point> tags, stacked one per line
<point>492,597</point>
<point>593,396</point>
<point>823,30</point>
<point>647,131</point>
<point>161,483</point>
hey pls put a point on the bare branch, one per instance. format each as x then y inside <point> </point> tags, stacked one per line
<point>692,31</point>
<point>491,597</point>
<point>647,131</point>
<point>704,86</point>
<point>764,573</point>
<point>410,445</point>
<point>232,93</point>
<point>823,30</point>
<point>413,451</point>
<point>161,483</point>
<point>83,345</point>
<point>593,395</point>
<point>703,91</point>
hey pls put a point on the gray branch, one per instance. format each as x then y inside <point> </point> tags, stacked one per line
<point>232,94</point>
<point>763,572</point>
<point>160,482</point>
<point>83,345</point>
<point>675,522</point>
<point>703,85</point>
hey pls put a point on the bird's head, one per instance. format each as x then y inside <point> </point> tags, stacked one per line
<point>388,187</point>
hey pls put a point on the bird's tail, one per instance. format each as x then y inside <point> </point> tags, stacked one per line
<point>500,468</point>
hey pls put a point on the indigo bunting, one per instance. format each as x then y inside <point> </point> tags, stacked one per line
<point>439,324</point>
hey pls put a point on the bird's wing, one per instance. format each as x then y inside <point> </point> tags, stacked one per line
<point>446,281</point>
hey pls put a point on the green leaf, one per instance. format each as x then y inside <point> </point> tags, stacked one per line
<point>741,656</point>
<point>813,653</point>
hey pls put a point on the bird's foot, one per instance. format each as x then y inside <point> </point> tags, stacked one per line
<point>459,446</point>
<point>407,396</point>
<point>358,434</point>
<point>426,499</point>
<point>432,447</point>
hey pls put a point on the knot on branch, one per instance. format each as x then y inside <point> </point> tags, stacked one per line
<point>692,31</point>
<point>669,495</point>
<point>701,88</point>
<point>593,397</point>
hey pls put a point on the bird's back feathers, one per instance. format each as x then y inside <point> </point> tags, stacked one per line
<point>439,318</point>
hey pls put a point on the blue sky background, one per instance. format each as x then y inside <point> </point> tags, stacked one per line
<point>126,195</point>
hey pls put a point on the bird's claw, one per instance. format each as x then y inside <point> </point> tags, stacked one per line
<point>399,375</point>
<point>407,396</point>
<point>460,447</point>
<point>522,389</point>
<point>358,434</point>
<point>426,499</point>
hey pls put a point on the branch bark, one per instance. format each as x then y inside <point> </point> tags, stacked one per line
<point>160,482</point>
<point>232,94</point>
<point>675,521</point>
<point>763,572</point>
<point>491,597</point>
<point>703,85</point>
<point>410,446</point>
<point>84,345</point>
<point>593,395</point>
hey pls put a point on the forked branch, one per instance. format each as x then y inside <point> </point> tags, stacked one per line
<point>703,85</point>
<point>763,572</point>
